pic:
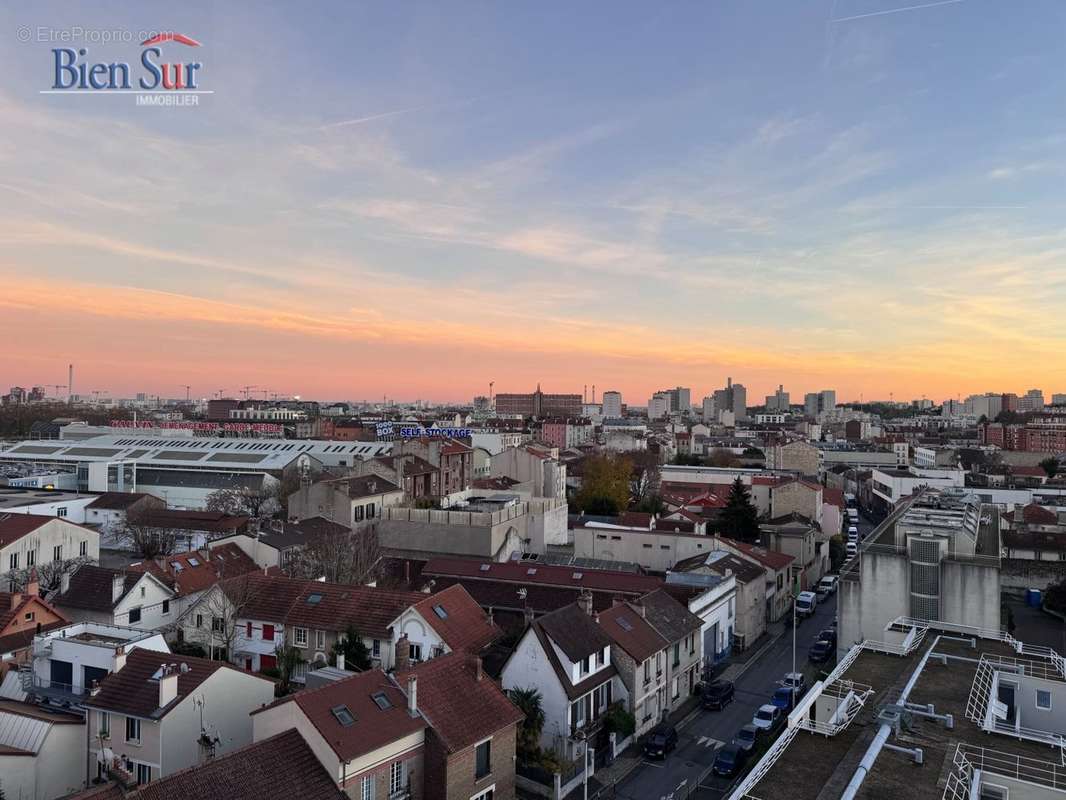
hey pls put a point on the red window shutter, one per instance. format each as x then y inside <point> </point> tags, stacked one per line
<point>249,630</point>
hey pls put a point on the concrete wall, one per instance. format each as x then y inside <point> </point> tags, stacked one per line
<point>969,594</point>
<point>652,550</point>
<point>882,595</point>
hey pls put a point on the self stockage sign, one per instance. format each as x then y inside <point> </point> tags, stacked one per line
<point>76,70</point>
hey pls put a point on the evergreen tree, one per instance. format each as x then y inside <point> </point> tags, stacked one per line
<point>740,519</point>
<point>356,656</point>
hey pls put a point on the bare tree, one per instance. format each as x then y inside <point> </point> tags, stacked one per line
<point>340,556</point>
<point>146,539</point>
<point>245,502</point>
<point>645,476</point>
<point>49,574</point>
<point>213,621</point>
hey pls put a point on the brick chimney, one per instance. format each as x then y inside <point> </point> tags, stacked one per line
<point>16,599</point>
<point>403,653</point>
<point>168,685</point>
<point>412,696</point>
<point>33,587</point>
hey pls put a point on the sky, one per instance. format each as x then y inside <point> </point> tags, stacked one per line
<point>414,199</point>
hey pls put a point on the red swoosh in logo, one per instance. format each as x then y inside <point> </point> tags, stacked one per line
<point>170,37</point>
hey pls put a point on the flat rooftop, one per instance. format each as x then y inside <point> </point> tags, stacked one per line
<point>818,767</point>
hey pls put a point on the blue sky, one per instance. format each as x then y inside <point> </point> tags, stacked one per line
<point>415,199</point>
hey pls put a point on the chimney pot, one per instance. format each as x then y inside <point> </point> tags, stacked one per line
<point>340,661</point>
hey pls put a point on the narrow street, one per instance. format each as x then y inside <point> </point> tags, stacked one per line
<point>704,732</point>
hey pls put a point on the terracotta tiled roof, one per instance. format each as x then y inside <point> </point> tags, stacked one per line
<point>14,642</point>
<point>636,519</point>
<point>534,573</point>
<point>672,620</point>
<point>370,610</point>
<point>14,526</point>
<point>1035,515</point>
<point>834,497</point>
<point>1034,540</point>
<point>211,521</point>
<point>195,570</point>
<point>131,690</point>
<point>281,766</point>
<point>457,619</point>
<point>462,707</point>
<point>574,632</point>
<point>367,486</point>
<point>372,727</point>
<point>719,561</point>
<point>92,588</point>
<point>116,501</point>
<point>768,558</point>
<point>572,690</point>
<point>266,598</point>
<point>631,632</point>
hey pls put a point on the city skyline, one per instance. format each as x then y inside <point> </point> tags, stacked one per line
<point>417,201</point>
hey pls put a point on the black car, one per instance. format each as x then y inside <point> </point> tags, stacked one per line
<point>746,738</point>
<point>717,695</point>
<point>821,651</point>
<point>660,741</point>
<point>828,635</point>
<point>729,761</point>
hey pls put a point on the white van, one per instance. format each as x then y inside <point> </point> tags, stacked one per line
<point>806,602</point>
<point>853,515</point>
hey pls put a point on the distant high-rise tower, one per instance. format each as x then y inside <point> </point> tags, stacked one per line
<point>612,404</point>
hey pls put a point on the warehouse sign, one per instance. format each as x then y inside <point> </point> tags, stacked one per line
<point>204,427</point>
<point>388,429</point>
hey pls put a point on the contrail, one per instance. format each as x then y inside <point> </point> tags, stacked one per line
<point>897,10</point>
<point>372,117</point>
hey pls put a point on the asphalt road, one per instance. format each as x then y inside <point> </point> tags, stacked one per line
<point>700,738</point>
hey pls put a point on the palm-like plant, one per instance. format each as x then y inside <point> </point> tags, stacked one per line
<point>529,702</point>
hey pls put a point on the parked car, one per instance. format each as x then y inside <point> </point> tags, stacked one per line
<point>784,698</point>
<point>828,635</point>
<point>853,534</point>
<point>821,651</point>
<point>717,695</point>
<point>796,681</point>
<point>827,585</point>
<point>661,740</point>
<point>851,548</point>
<point>768,718</point>
<point>746,738</point>
<point>806,602</point>
<point>729,761</point>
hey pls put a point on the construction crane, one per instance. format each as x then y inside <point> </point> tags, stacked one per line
<point>248,390</point>
<point>220,392</point>
<point>56,387</point>
<point>264,392</point>
<point>96,394</point>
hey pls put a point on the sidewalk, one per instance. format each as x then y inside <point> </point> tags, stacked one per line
<point>774,631</point>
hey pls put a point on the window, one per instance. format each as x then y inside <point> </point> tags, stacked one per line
<point>367,788</point>
<point>83,549</point>
<point>416,652</point>
<point>268,633</point>
<point>732,607</point>
<point>396,778</point>
<point>300,637</point>
<point>144,773</point>
<point>343,715</point>
<point>57,553</point>
<point>601,658</point>
<point>135,615</point>
<point>357,514</point>
<point>376,648</point>
<point>199,620</point>
<point>647,671</point>
<point>166,606</point>
<point>677,653</point>
<point>992,792</point>
<point>320,640</point>
<point>13,561</point>
<point>676,689</point>
<point>248,630</point>
<point>381,700</point>
<point>105,725</point>
<point>370,511</point>
<point>483,760</point>
<point>61,511</point>
<point>485,795</point>
<point>577,713</point>
<point>133,730</point>
<point>1043,699</point>
<point>659,663</point>
<point>585,665</point>
<point>29,616</point>
<point>142,591</point>
<point>31,558</point>
<point>216,624</point>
